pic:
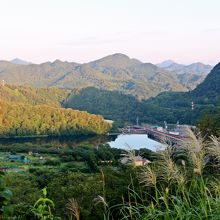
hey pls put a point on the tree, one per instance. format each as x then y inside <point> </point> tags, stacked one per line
<point>5,198</point>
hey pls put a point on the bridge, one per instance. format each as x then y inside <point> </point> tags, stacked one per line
<point>161,136</point>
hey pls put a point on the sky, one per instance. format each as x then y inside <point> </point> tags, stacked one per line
<point>84,30</point>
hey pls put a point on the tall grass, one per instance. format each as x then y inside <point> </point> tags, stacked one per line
<point>179,184</point>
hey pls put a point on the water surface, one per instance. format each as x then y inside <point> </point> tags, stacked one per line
<point>135,141</point>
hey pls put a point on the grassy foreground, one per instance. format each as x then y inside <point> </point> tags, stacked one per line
<point>181,182</point>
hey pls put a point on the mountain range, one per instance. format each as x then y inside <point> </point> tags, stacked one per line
<point>188,75</point>
<point>167,106</point>
<point>114,72</point>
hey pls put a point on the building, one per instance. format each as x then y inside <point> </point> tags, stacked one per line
<point>18,158</point>
<point>136,161</point>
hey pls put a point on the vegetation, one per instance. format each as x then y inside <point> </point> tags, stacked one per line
<point>167,106</point>
<point>181,182</point>
<point>88,181</point>
<point>28,95</point>
<point>112,105</point>
<point>5,197</point>
<point>26,120</point>
<point>77,176</point>
<point>42,207</point>
<point>26,111</point>
<point>209,124</point>
<point>114,72</point>
<point>122,108</point>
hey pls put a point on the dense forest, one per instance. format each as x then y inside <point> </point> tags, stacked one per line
<point>111,104</point>
<point>26,111</point>
<point>170,107</point>
<point>209,124</point>
<point>33,96</point>
<point>167,106</point>
<point>26,120</point>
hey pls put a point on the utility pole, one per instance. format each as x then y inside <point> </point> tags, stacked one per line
<point>191,115</point>
<point>3,82</point>
<point>192,105</point>
<point>137,121</point>
<point>165,124</point>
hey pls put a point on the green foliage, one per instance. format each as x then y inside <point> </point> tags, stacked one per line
<point>125,108</point>
<point>25,111</point>
<point>5,198</point>
<point>27,95</point>
<point>181,183</point>
<point>114,72</point>
<point>83,187</point>
<point>26,120</point>
<point>209,124</point>
<point>42,207</point>
<point>178,185</point>
<point>112,105</point>
<point>23,188</point>
<point>167,106</point>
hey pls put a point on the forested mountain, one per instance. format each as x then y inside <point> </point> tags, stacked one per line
<point>169,106</point>
<point>111,104</point>
<point>27,120</point>
<point>42,75</point>
<point>209,90</point>
<point>114,72</point>
<point>28,95</point>
<point>25,111</point>
<point>188,75</point>
<point>122,108</point>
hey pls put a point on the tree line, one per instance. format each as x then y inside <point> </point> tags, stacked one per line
<point>27,120</point>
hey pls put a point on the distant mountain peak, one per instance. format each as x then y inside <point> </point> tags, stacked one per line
<point>20,61</point>
<point>117,60</point>
<point>166,63</point>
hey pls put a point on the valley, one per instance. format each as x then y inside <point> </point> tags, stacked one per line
<point>109,110</point>
<point>54,137</point>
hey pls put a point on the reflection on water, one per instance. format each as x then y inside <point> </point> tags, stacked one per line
<point>136,141</point>
<point>57,142</point>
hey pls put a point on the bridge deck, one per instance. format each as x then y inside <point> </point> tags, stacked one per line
<point>159,135</point>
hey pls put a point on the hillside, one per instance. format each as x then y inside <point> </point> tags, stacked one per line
<point>26,120</point>
<point>28,95</point>
<point>111,104</point>
<point>114,72</point>
<point>26,111</point>
<point>168,106</point>
<point>125,108</point>
<point>206,98</point>
<point>209,90</point>
<point>188,75</point>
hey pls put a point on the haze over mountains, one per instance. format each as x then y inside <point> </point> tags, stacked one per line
<point>113,72</point>
<point>188,75</point>
<point>20,62</point>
